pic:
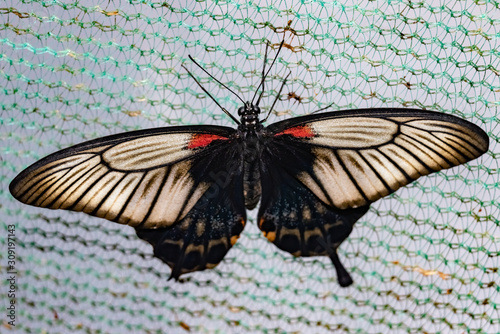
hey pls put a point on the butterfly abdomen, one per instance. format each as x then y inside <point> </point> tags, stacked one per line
<point>251,185</point>
<point>251,174</point>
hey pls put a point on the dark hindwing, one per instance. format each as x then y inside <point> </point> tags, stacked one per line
<point>202,238</point>
<point>179,187</point>
<point>321,172</point>
<point>292,217</point>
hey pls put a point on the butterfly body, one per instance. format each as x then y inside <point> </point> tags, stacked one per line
<point>250,132</point>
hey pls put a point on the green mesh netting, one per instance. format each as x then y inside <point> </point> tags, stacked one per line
<point>423,260</point>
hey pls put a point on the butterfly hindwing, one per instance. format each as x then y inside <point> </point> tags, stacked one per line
<point>166,183</point>
<point>206,233</point>
<point>292,217</point>
<point>319,173</point>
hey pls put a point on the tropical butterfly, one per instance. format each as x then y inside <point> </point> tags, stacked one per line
<point>186,189</point>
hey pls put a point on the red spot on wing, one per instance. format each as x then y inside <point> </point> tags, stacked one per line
<point>202,140</point>
<point>302,131</point>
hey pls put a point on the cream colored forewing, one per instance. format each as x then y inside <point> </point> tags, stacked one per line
<point>359,160</point>
<point>143,181</point>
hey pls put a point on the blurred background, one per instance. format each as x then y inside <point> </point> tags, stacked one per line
<point>423,260</point>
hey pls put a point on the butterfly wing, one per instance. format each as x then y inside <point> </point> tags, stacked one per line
<point>292,217</point>
<point>320,173</point>
<point>170,184</point>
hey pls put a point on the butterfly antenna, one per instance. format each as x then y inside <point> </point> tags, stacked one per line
<point>277,97</point>
<point>328,106</point>
<point>211,76</point>
<point>265,76</point>
<point>203,88</point>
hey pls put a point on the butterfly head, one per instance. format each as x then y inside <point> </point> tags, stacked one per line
<point>249,114</point>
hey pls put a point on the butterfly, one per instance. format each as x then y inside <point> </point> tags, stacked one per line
<point>186,189</point>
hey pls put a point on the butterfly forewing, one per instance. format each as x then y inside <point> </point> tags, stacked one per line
<point>361,156</point>
<point>125,177</point>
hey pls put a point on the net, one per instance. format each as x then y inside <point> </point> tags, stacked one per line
<point>423,260</point>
